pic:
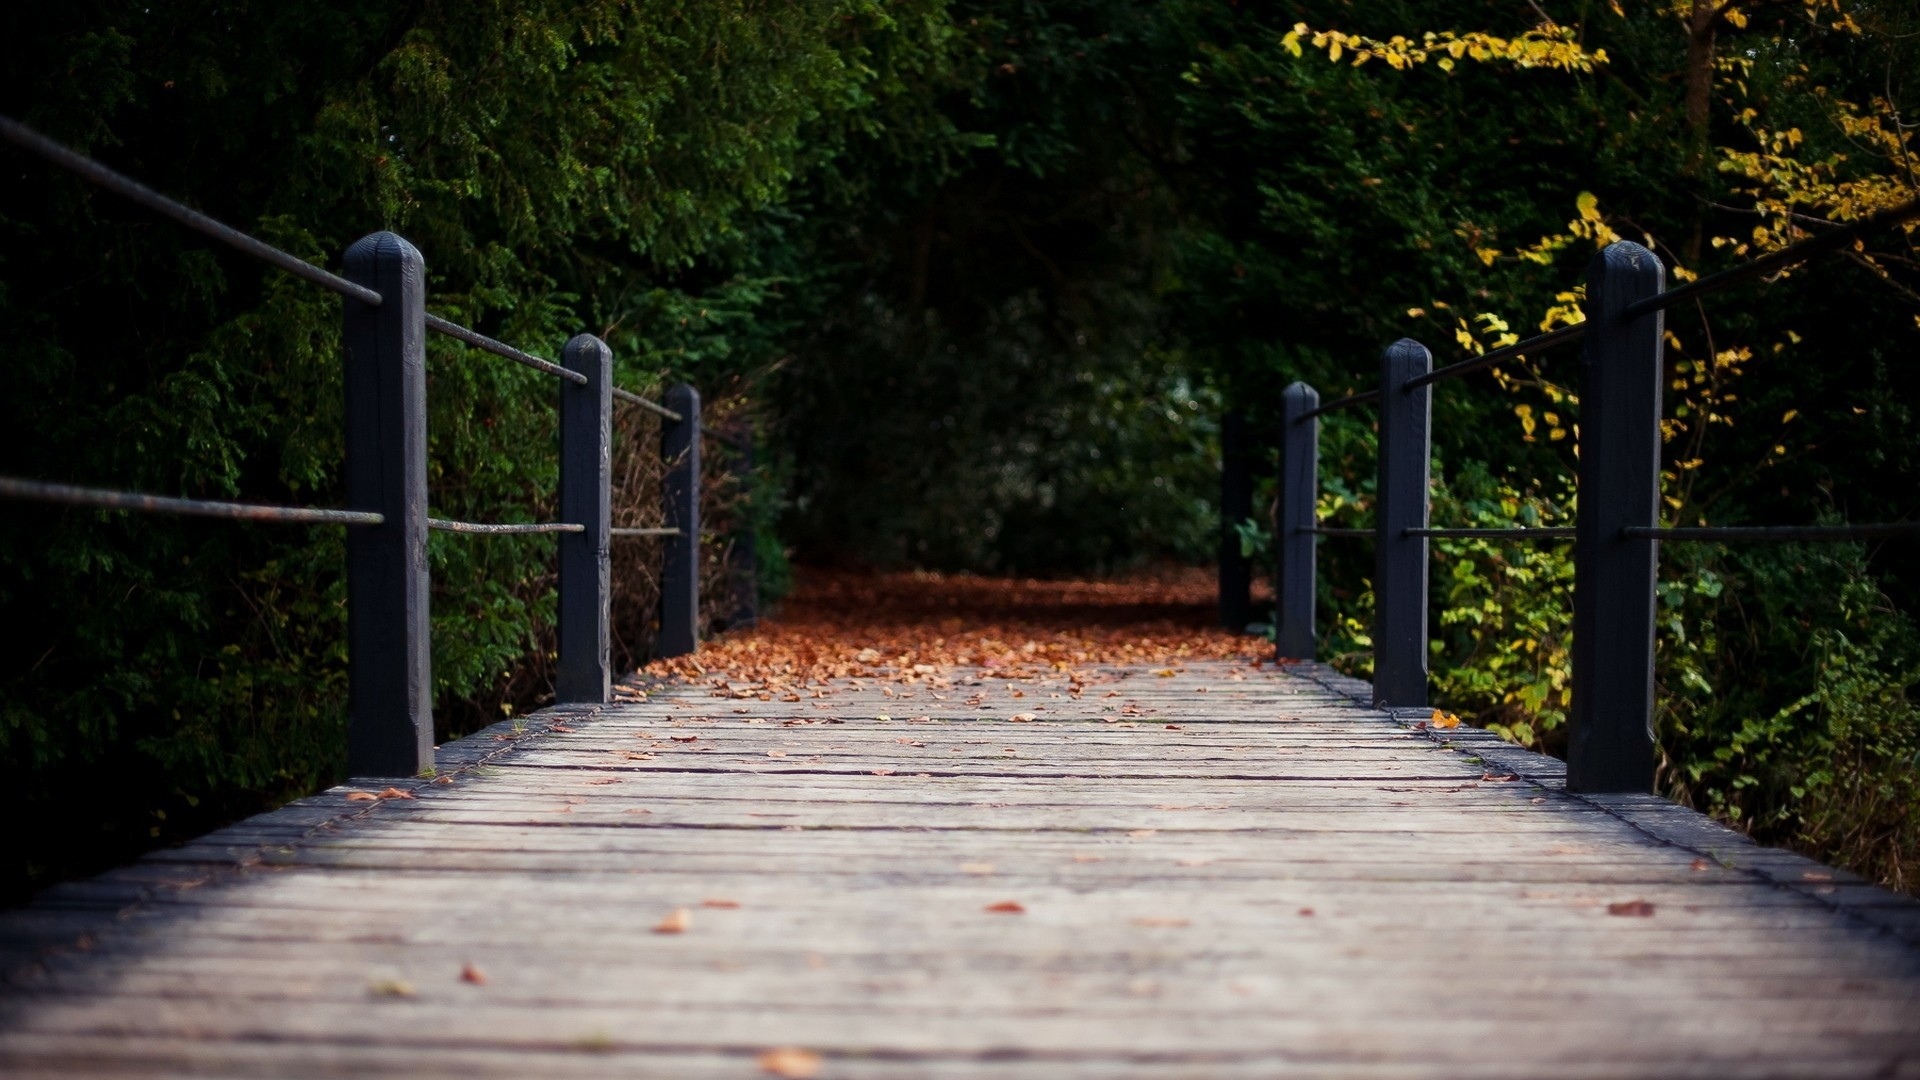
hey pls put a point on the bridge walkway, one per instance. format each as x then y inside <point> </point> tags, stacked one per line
<point>1209,870</point>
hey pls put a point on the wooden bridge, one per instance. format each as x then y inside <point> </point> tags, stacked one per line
<point>1216,870</point>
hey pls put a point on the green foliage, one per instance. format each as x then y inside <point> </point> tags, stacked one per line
<point>563,165</point>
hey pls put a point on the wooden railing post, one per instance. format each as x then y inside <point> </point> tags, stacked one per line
<point>389,687</point>
<point>1236,506</point>
<point>1402,497</point>
<point>1294,636</point>
<point>680,564</point>
<point>584,672</point>
<point>1610,724</point>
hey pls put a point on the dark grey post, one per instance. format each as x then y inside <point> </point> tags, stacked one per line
<point>1400,561</point>
<point>743,559</point>
<point>583,675</point>
<point>680,566</point>
<point>1610,726</point>
<point>389,689</point>
<point>1299,475</point>
<point>1236,506</point>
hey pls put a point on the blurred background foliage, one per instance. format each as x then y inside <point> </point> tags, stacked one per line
<point>983,274</point>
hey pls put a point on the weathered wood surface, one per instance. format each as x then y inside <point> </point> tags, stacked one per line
<point>1224,873</point>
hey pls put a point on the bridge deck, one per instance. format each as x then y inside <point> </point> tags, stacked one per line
<point>1222,872</point>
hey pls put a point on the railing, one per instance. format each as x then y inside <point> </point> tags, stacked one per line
<point>1616,530</point>
<point>383,289</point>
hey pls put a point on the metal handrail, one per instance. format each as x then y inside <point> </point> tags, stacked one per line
<point>108,499</point>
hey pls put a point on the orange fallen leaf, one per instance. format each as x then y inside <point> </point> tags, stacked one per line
<point>1444,720</point>
<point>471,974</point>
<point>1006,907</point>
<point>882,772</point>
<point>1638,909</point>
<point>676,922</point>
<point>561,728</point>
<point>1023,718</point>
<point>717,902</point>
<point>776,753</point>
<point>362,796</point>
<point>1165,673</point>
<point>1700,864</point>
<point>790,1063</point>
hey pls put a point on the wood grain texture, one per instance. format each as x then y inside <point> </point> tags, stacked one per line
<point>1227,872</point>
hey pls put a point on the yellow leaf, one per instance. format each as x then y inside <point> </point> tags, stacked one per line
<point>1444,720</point>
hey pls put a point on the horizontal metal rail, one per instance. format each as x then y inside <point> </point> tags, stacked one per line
<point>1775,533</point>
<point>1360,398</point>
<point>95,173</point>
<point>106,499</point>
<point>1349,534</point>
<point>645,532</point>
<point>636,399</point>
<point>500,348</point>
<point>1779,260</point>
<point>1519,532</point>
<point>1486,360</point>
<point>476,528</point>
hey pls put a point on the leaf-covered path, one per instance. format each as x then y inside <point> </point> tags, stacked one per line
<point>1055,866</point>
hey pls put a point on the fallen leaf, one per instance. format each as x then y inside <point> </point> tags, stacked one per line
<point>676,922</point>
<point>1444,720</point>
<point>1174,727</point>
<point>976,868</point>
<point>1006,907</point>
<point>776,753</point>
<point>717,902</point>
<point>1165,673</point>
<point>1637,909</point>
<point>1701,864</point>
<point>395,793</point>
<point>362,796</point>
<point>791,1063</point>
<point>684,738</point>
<point>635,755</point>
<point>560,728</point>
<point>471,974</point>
<point>882,772</point>
<point>1307,912</point>
<point>391,988</point>
<point>1023,718</point>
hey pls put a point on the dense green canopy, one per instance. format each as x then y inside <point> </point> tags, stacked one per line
<point>985,273</point>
